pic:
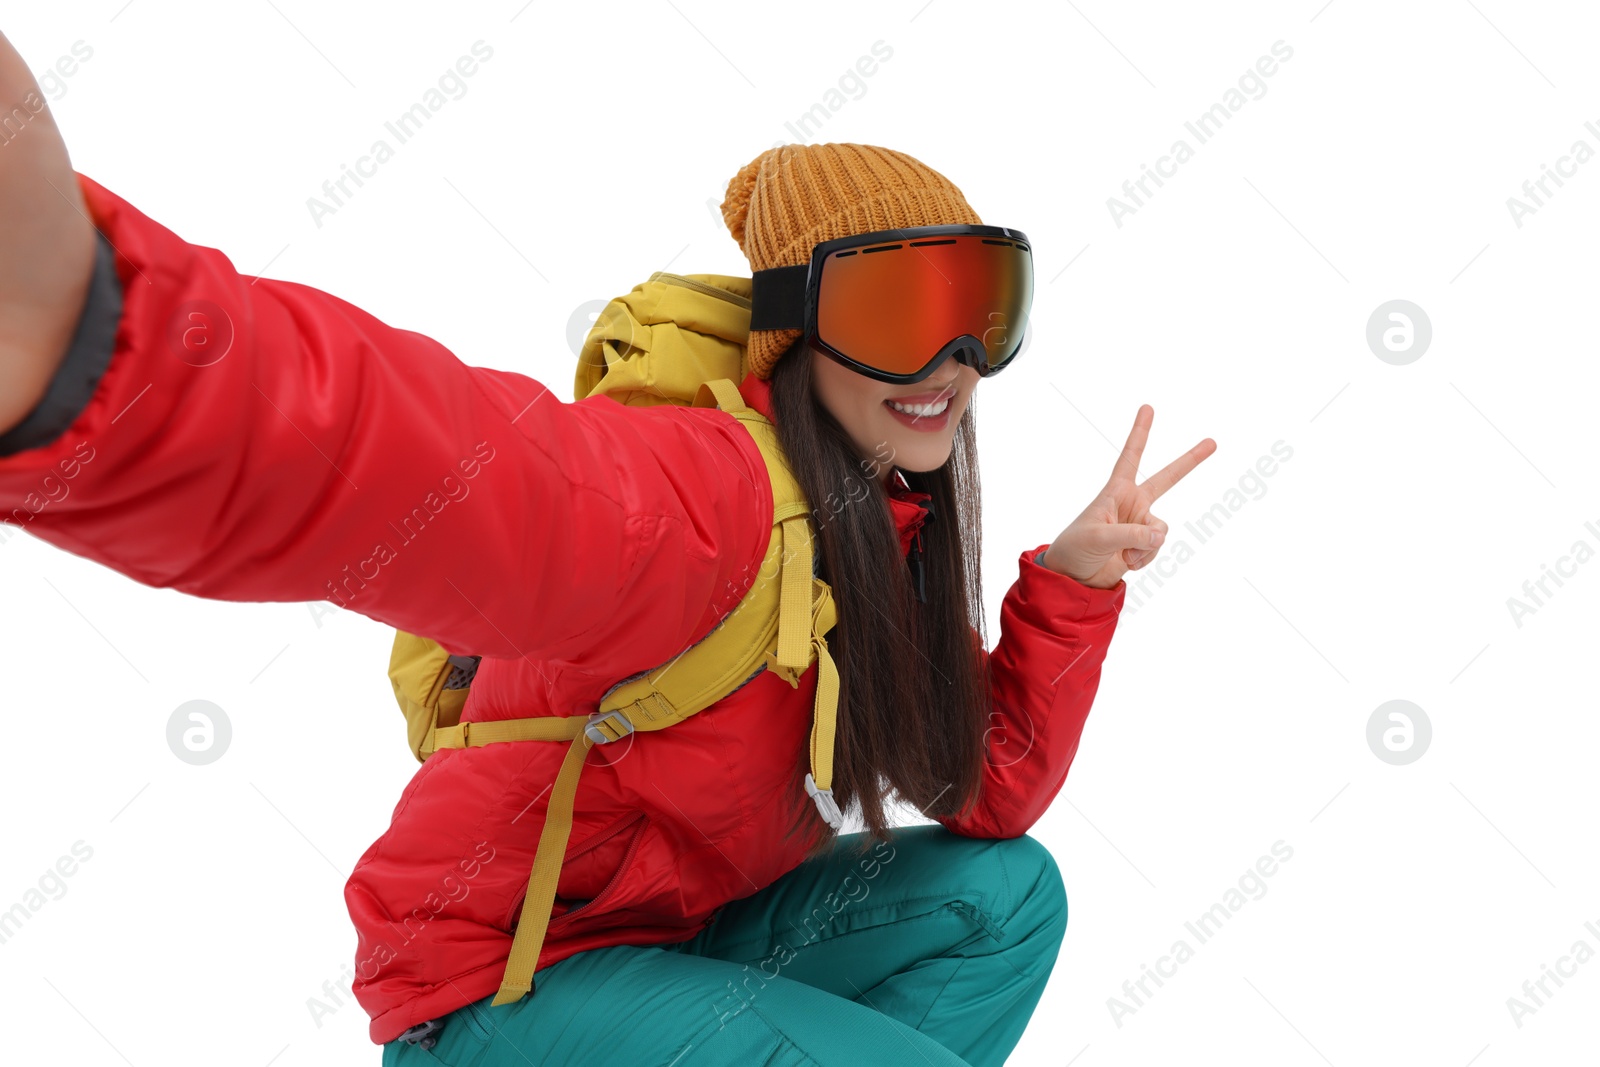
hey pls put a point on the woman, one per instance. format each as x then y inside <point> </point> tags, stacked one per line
<point>250,439</point>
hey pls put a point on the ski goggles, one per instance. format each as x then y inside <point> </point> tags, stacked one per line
<point>895,304</point>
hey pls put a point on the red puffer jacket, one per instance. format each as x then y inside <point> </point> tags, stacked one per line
<point>260,440</point>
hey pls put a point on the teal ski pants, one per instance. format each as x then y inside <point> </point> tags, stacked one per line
<point>932,948</point>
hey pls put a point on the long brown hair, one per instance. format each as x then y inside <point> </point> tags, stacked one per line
<point>913,691</point>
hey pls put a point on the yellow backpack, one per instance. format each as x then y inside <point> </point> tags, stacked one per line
<point>673,339</point>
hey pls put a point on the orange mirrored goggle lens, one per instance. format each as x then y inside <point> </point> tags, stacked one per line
<point>895,305</point>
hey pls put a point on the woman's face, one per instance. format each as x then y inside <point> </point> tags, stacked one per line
<point>917,440</point>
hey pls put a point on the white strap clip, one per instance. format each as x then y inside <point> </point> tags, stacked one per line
<point>825,802</point>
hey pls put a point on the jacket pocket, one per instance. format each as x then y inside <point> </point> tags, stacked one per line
<point>621,840</point>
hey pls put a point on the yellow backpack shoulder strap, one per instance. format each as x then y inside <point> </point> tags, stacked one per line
<point>804,610</point>
<point>778,625</point>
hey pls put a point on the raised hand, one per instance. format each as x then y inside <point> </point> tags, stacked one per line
<point>46,243</point>
<point>1116,533</point>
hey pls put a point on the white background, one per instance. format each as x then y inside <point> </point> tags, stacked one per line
<point>1374,564</point>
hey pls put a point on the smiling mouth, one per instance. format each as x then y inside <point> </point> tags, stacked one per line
<point>924,410</point>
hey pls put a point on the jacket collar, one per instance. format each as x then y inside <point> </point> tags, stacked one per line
<point>908,508</point>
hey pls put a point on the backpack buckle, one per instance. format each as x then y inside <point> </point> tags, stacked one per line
<point>424,1034</point>
<point>621,727</point>
<point>825,802</point>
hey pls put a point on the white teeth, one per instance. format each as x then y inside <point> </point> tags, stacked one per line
<point>922,409</point>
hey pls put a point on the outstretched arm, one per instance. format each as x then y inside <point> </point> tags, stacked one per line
<point>249,439</point>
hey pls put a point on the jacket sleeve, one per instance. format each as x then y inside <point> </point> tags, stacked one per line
<point>1044,671</point>
<point>247,439</point>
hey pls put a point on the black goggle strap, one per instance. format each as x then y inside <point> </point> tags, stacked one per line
<point>778,298</point>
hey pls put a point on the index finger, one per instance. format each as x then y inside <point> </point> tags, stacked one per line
<point>1168,476</point>
<point>1128,462</point>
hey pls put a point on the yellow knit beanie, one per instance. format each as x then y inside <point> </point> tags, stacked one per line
<point>794,196</point>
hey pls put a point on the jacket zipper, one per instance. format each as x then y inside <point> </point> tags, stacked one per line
<point>622,868</point>
<point>918,575</point>
<point>915,560</point>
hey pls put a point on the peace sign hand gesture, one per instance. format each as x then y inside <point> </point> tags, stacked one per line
<point>1116,533</point>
